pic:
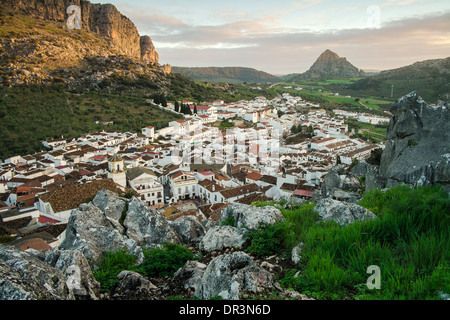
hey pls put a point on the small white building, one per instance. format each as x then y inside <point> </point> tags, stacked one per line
<point>183,185</point>
<point>149,132</point>
<point>145,183</point>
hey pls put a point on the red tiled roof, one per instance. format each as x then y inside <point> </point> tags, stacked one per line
<point>201,107</point>
<point>253,176</point>
<point>44,220</point>
<point>303,193</point>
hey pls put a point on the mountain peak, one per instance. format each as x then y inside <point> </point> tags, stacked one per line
<point>330,65</point>
<point>328,55</point>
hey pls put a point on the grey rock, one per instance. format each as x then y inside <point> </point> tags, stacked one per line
<point>76,268</point>
<point>418,150</point>
<point>133,286</point>
<point>250,217</point>
<point>148,227</point>
<point>188,277</point>
<point>112,206</point>
<point>189,229</point>
<point>331,181</point>
<point>23,277</point>
<point>296,253</point>
<point>221,237</point>
<point>90,232</point>
<point>342,212</point>
<point>233,275</point>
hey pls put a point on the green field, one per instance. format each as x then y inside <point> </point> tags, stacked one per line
<point>324,92</point>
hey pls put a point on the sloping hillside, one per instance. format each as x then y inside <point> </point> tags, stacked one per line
<point>227,74</point>
<point>430,78</point>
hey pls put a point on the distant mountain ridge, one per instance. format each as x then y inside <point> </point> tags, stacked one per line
<point>430,78</point>
<point>328,66</point>
<point>226,74</point>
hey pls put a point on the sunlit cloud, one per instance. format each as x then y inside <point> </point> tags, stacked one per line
<point>288,37</point>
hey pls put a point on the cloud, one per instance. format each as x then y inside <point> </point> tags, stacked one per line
<point>265,43</point>
<point>390,3</point>
<point>306,3</point>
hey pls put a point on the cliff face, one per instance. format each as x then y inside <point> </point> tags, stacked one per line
<point>148,50</point>
<point>104,20</point>
<point>418,149</point>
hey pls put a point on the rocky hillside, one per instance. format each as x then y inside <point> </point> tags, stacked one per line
<point>110,224</point>
<point>227,74</point>
<point>37,47</point>
<point>329,66</point>
<point>103,20</point>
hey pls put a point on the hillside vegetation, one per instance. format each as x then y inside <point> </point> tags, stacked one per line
<point>226,74</point>
<point>29,115</point>
<point>429,78</point>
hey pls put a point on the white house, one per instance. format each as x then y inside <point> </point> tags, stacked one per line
<point>149,132</point>
<point>146,184</point>
<point>183,185</point>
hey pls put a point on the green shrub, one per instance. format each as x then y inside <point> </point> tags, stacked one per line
<point>266,240</point>
<point>230,221</point>
<point>166,261</point>
<point>113,263</point>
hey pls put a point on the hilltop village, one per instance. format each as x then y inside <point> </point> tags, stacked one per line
<point>223,153</point>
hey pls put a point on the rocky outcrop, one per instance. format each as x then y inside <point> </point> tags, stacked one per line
<point>133,286</point>
<point>102,19</point>
<point>76,268</point>
<point>418,150</point>
<point>343,213</point>
<point>188,277</point>
<point>90,232</point>
<point>330,65</point>
<point>112,207</point>
<point>250,217</point>
<point>147,227</point>
<point>222,237</point>
<point>148,50</point>
<point>338,184</point>
<point>23,277</point>
<point>189,229</point>
<point>111,223</point>
<point>231,276</point>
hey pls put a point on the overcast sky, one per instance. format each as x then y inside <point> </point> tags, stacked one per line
<point>287,36</point>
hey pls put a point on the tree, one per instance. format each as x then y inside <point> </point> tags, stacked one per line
<point>195,109</point>
<point>177,106</point>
